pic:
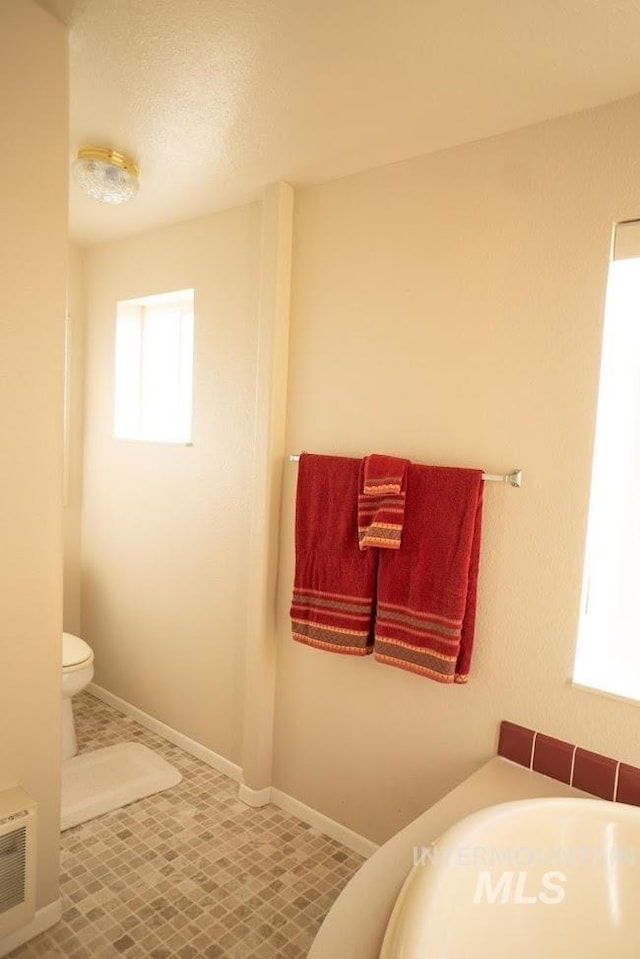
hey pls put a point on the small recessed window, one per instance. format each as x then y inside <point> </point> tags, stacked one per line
<point>154,368</point>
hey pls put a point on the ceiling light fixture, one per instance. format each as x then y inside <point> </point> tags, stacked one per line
<point>106,175</point>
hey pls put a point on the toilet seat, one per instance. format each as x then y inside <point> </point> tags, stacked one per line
<point>76,654</point>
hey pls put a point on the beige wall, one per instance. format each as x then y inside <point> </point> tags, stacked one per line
<point>165,527</point>
<point>449,308</point>
<point>33,107</point>
<point>74,404</point>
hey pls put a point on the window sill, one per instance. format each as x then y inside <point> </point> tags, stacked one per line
<point>129,439</point>
<point>603,692</point>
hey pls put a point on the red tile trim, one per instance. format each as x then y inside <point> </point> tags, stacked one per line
<point>553,757</point>
<point>594,774</point>
<point>628,785</point>
<point>516,743</point>
<point>591,772</point>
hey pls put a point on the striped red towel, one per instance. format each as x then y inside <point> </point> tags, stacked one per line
<point>334,586</point>
<point>381,501</point>
<point>426,602</point>
<point>383,474</point>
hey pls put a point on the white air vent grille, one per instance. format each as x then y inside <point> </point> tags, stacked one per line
<point>13,868</point>
<point>17,859</point>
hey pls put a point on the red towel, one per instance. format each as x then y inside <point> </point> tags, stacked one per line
<point>427,590</point>
<point>381,501</point>
<point>334,586</point>
<point>383,474</point>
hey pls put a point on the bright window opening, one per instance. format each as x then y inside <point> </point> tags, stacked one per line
<point>154,368</point>
<point>608,653</point>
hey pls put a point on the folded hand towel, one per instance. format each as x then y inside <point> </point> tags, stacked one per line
<point>426,599</point>
<point>381,501</point>
<point>334,586</point>
<point>383,474</point>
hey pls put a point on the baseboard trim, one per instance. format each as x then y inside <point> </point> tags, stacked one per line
<point>190,746</point>
<point>251,797</point>
<point>335,830</point>
<point>44,918</point>
<point>254,797</point>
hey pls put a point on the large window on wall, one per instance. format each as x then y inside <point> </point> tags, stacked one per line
<point>608,652</point>
<point>154,368</point>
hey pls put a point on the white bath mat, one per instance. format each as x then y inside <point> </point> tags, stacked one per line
<point>106,779</point>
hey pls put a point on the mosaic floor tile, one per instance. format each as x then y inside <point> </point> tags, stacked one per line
<point>192,872</point>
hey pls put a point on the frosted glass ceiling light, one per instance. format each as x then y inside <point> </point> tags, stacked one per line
<point>106,175</point>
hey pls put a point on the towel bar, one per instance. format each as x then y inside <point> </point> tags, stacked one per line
<point>513,478</point>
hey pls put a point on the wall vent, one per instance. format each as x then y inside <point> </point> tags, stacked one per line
<point>17,859</point>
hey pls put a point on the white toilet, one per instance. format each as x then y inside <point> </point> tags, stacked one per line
<point>77,672</point>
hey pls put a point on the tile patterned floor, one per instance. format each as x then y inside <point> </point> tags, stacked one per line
<point>191,872</point>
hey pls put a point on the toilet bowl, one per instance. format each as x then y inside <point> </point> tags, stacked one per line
<point>77,672</point>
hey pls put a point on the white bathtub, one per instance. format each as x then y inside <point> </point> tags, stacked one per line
<point>355,926</point>
<point>534,878</point>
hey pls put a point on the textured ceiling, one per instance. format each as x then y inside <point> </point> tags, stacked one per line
<point>216,98</point>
